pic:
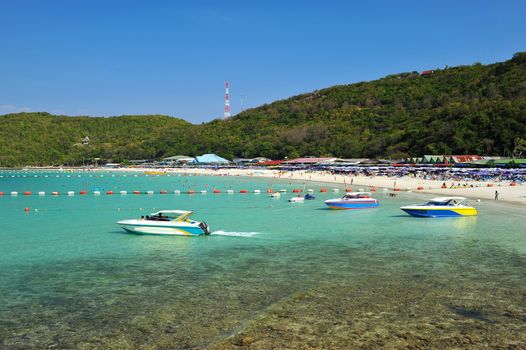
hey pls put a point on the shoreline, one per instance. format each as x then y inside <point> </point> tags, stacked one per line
<point>474,190</point>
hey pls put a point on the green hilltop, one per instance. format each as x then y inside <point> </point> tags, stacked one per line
<point>477,109</point>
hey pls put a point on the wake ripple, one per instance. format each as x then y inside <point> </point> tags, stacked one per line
<point>233,234</point>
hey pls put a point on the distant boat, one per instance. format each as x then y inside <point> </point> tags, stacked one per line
<point>297,199</point>
<point>441,207</point>
<point>166,222</point>
<point>353,200</point>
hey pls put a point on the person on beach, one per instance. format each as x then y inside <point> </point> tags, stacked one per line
<point>496,195</point>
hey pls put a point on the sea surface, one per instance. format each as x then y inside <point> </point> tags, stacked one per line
<point>272,275</point>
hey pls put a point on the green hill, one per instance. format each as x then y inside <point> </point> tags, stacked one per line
<point>467,109</point>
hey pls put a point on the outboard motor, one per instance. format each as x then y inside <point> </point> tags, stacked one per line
<point>205,228</point>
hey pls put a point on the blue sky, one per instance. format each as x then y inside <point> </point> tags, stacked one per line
<point>110,57</point>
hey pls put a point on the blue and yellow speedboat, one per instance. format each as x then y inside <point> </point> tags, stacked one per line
<point>441,207</point>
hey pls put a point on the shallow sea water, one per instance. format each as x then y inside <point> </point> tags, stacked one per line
<point>272,275</point>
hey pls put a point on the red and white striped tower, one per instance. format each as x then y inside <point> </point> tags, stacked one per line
<point>227,102</point>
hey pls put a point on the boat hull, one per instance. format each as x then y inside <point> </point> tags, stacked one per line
<point>349,205</point>
<point>162,228</point>
<point>440,212</point>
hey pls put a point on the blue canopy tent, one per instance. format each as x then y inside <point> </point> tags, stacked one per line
<point>210,159</point>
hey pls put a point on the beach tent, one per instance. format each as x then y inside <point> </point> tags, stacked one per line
<point>209,159</point>
<point>178,159</point>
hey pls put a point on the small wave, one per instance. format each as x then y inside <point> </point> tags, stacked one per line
<point>234,234</point>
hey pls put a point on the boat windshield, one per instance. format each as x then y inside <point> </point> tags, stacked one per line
<point>354,196</point>
<point>451,202</point>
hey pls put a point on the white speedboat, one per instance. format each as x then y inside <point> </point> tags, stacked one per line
<point>297,199</point>
<point>441,207</point>
<point>166,222</point>
<point>353,200</point>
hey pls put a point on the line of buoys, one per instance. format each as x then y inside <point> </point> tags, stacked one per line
<point>150,192</point>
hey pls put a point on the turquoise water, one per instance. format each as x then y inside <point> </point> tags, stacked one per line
<point>272,274</point>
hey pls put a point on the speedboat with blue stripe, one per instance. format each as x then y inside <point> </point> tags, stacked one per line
<point>166,222</point>
<point>441,207</point>
<point>353,200</point>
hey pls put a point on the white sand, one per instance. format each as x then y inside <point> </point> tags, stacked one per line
<point>480,189</point>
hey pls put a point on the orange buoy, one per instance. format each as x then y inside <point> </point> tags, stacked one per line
<point>2,193</point>
<point>443,186</point>
<point>420,188</point>
<point>268,190</point>
<point>191,191</point>
<point>136,192</point>
<point>83,192</point>
<point>490,185</point>
<point>27,193</point>
<point>296,190</point>
<point>513,184</point>
<point>348,190</point>
<point>26,210</point>
<point>54,193</point>
<point>396,189</point>
<point>323,189</point>
<point>243,191</point>
<point>109,192</point>
<point>372,189</point>
<point>216,190</point>
<point>163,192</point>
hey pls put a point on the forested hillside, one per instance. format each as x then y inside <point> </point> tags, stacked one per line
<point>468,109</point>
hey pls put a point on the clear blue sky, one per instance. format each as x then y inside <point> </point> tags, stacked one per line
<point>109,57</point>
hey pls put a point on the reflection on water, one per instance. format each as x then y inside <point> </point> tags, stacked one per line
<point>271,275</point>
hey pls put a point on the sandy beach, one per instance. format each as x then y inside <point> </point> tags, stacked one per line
<point>473,190</point>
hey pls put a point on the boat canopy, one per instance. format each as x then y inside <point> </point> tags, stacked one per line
<point>178,215</point>
<point>357,194</point>
<point>447,201</point>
